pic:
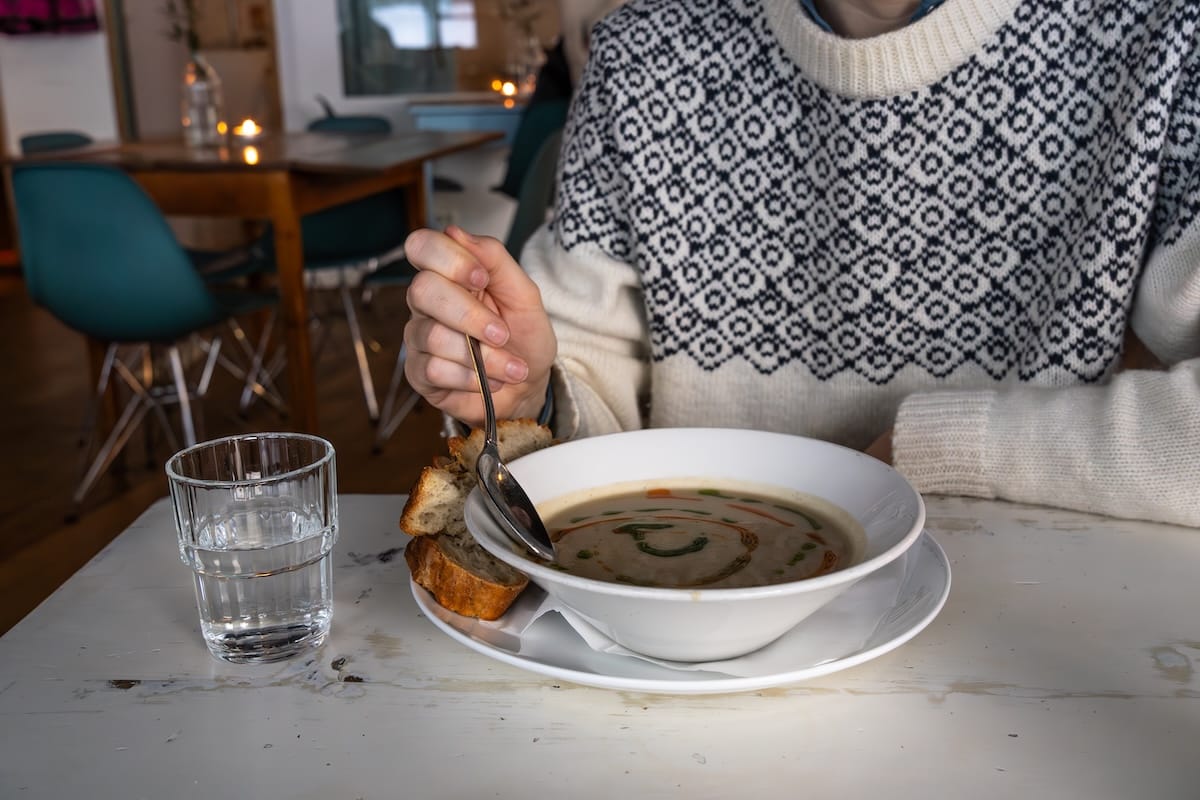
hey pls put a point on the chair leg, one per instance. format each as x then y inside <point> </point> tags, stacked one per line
<point>185,402</point>
<point>452,427</point>
<point>112,447</point>
<point>88,431</point>
<point>252,389</point>
<point>152,403</point>
<point>122,429</point>
<point>213,352</point>
<point>144,398</point>
<point>360,354</point>
<point>388,421</point>
<point>259,378</point>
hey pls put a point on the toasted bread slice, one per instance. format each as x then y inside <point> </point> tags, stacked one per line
<point>462,576</point>
<point>516,437</point>
<point>443,556</point>
<point>435,504</point>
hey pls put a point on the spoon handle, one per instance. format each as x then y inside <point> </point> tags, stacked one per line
<point>489,409</point>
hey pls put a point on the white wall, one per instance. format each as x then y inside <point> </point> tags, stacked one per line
<point>56,83</point>
<point>156,67</point>
<point>155,70</point>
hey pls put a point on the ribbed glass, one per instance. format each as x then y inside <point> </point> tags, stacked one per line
<point>257,520</point>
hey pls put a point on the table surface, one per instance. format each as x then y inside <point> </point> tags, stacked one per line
<point>1066,663</point>
<point>325,152</point>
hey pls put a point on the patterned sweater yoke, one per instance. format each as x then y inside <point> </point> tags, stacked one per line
<point>830,235</point>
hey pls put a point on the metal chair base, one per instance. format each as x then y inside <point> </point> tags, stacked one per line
<point>395,409</point>
<point>136,370</point>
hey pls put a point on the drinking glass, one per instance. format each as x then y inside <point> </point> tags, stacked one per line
<point>257,520</point>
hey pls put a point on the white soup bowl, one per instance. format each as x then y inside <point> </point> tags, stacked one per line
<point>714,623</point>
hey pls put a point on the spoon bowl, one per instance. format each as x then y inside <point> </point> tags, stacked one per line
<point>507,501</point>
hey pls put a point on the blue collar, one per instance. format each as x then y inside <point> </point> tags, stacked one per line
<point>924,8</point>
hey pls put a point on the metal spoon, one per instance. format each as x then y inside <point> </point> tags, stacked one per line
<point>510,506</point>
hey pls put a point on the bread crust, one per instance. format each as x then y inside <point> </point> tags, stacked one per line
<point>443,556</point>
<point>453,586</point>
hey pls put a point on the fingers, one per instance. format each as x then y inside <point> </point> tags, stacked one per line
<point>433,296</point>
<point>446,382</point>
<point>450,281</point>
<point>507,282</point>
<point>448,359</point>
<point>429,250</point>
<point>470,285</point>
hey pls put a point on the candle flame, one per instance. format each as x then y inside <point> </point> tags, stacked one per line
<point>250,155</point>
<point>247,128</point>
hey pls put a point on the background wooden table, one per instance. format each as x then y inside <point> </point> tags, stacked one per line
<point>281,178</point>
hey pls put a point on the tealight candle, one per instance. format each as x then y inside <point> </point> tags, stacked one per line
<point>247,131</point>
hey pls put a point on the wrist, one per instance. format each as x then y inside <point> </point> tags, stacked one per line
<point>537,403</point>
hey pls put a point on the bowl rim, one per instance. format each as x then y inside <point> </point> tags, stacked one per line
<point>496,542</point>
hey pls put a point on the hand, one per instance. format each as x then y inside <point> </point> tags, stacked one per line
<point>471,285</point>
<point>881,448</point>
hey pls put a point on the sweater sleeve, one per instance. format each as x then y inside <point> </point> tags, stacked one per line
<point>1127,448</point>
<point>1130,448</point>
<point>601,376</point>
<point>582,263</point>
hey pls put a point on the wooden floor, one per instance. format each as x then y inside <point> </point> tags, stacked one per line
<point>45,379</point>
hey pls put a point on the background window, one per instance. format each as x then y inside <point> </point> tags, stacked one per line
<point>440,46</point>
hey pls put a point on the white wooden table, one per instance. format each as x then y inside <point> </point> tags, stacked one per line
<point>1065,664</point>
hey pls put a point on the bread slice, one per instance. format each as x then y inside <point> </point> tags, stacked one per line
<point>443,556</point>
<point>462,576</point>
<point>516,437</point>
<point>435,504</point>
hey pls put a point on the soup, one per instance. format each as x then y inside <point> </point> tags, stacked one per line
<point>690,537</point>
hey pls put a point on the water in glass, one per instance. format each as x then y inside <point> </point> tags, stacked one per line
<point>257,521</point>
<point>272,595</point>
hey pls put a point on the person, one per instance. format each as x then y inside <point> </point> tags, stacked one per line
<point>546,110</point>
<point>577,18</point>
<point>931,238</point>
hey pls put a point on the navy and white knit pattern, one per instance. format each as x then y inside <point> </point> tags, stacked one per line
<point>998,217</point>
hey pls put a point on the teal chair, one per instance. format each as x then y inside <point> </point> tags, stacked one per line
<point>48,141</point>
<point>224,262</point>
<point>98,255</point>
<point>534,199</point>
<point>539,121</point>
<point>536,194</point>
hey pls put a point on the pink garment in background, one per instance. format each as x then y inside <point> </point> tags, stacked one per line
<point>48,16</point>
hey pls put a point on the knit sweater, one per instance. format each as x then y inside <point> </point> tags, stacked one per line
<point>948,229</point>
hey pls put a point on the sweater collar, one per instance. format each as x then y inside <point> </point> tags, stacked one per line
<point>899,62</point>
<point>811,7</point>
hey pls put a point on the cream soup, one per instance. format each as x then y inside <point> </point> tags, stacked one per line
<point>692,536</point>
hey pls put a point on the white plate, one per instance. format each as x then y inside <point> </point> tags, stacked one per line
<point>550,647</point>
